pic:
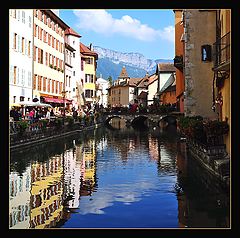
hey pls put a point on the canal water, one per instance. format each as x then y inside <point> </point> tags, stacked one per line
<point>116,177</point>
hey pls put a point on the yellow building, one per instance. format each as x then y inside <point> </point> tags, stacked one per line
<point>89,66</point>
<point>46,193</point>
<point>48,57</point>
<point>221,69</point>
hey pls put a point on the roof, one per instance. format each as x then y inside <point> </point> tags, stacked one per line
<point>166,67</point>
<point>147,80</point>
<point>53,16</point>
<point>134,81</point>
<point>86,51</point>
<point>170,82</point>
<point>123,73</point>
<point>70,31</point>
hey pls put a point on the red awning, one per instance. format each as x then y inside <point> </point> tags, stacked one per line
<point>56,100</point>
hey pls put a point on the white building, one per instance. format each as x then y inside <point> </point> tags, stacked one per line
<point>102,92</point>
<point>20,55</point>
<point>72,65</point>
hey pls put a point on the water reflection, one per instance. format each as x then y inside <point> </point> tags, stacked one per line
<point>113,178</point>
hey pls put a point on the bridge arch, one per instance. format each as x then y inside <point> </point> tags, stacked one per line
<point>108,119</point>
<point>166,120</point>
<point>139,120</point>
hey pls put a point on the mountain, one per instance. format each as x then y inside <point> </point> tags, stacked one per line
<point>110,63</point>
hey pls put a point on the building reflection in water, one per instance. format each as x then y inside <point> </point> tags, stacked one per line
<point>44,193</point>
<point>48,192</point>
<point>19,203</point>
<point>201,203</point>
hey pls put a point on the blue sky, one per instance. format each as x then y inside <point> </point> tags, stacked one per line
<point>149,32</point>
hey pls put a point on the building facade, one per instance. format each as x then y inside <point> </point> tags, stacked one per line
<point>102,92</point>
<point>48,57</point>
<point>72,66</point>
<point>20,55</point>
<point>178,60</point>
<point>199,34</point>
<point>89,66</point>
<point>222,70</point>
<point>124,90</point>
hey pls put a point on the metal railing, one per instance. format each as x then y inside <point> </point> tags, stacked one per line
<point>221,50</point>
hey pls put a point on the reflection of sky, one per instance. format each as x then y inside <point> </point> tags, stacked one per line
<point>105,197</point>
<point>125,183</point>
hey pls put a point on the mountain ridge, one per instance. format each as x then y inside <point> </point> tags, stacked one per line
<point>110,63</point>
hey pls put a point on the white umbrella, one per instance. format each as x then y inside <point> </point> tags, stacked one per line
<point>34,104</point>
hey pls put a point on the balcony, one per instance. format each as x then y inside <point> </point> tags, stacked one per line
<point>178,62</point>
<point>221,53</point>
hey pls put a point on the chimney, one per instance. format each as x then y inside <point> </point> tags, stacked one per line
<point>90,46</point>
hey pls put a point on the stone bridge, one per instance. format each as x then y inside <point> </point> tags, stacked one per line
<point>149,119</point>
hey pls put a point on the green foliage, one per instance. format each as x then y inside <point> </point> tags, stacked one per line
<point>58,123</point>
<point>44,123</point>
<point>22,125</point>
<point>216,127</point>
<point>70,121</point>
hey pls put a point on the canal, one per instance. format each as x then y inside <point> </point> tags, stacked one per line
<point>116,177</point>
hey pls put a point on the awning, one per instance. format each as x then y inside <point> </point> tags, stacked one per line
<point>34,104</point>
<point>56,100</point>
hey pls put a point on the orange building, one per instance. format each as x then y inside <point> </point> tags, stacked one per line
<point>178,60</point>
<point>169,94</point>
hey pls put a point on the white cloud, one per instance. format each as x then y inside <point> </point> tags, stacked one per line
<point>125,193</point>
<point>102,22</point>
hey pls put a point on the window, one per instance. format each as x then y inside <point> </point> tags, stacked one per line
<point>14,99</point>
<point>49,85</point>
<point>91,78</point>
<point>15,41</point>
<point>73,55</point>
<point>14,13</point>
<point>22,50</point>
<point>40,56</point>
<point>73,73</point>
<point>29,78</point>
<point>29,48</point>
<point>206,53</point>
<point>82,66</point>
<point>30,21</point>
<point>53,82</point>
<point>21,98</point>
<point>23,17</point>
<point>15,75</point>
<point>89,61</point>
<point>89,93</point>
<point>35,82</point>
<point>44,84</point>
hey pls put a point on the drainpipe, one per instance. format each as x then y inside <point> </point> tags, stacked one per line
<point>32,51</point>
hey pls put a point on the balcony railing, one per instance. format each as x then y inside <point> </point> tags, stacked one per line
<point>221,51</point>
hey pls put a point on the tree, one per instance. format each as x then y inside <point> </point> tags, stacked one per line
<point>110,80</point>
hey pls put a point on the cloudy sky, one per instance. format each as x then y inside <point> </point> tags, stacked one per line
<point>149,32</point>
